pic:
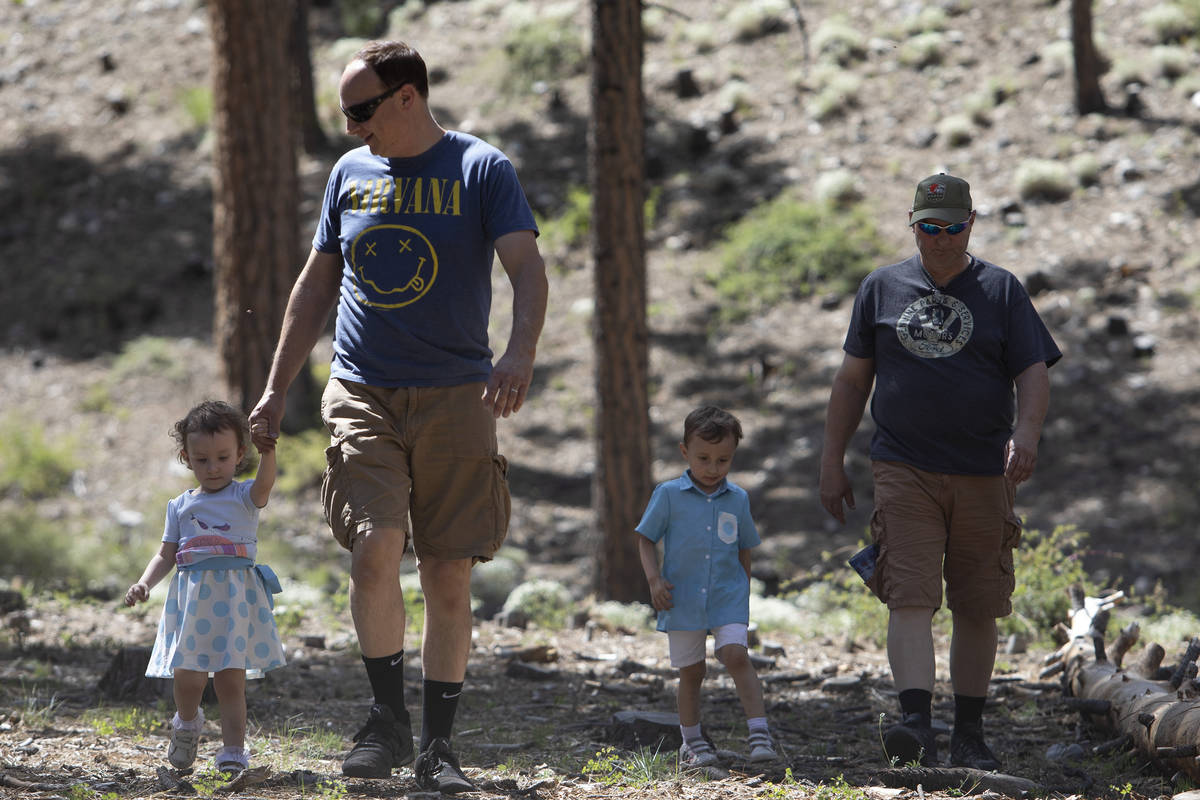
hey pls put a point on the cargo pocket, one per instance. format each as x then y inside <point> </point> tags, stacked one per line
<point>335,497</point>
<point>875,582</point>
<point>501,502</point>
<point>1010,542</point>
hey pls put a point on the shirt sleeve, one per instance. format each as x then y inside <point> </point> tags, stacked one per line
<point>860,335</point>
<point>654,521</point>
<point>171,528</point>
<point>1029,341</point>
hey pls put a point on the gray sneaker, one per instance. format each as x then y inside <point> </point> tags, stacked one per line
<point>181,752</point>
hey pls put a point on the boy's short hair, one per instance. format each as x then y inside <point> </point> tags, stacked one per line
<point>711,424</point>
<point>212,416</point>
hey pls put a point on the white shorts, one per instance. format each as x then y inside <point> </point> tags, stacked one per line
<point>687,647</point>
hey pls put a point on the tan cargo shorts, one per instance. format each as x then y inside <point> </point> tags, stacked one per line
<point>425,454</point>
<point>931,526</point>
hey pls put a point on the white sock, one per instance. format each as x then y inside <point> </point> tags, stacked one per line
<point>691,732</point>
<point>193,724</point>
<point>238,754</point>
<point>757,724</point>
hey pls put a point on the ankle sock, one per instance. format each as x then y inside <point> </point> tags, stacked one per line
<point>757,724</point>
<point>194,724</point>
<point>437,713</point>
<point>918,701</point>
<point>968,709</point>
<point>239,754</point>
<point>386,675</point>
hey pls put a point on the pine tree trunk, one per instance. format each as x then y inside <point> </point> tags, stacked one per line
<point>1088,96</point>
<point>255,185</point>
<point>622,481</point>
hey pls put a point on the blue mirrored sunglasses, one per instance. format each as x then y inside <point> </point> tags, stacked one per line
<point>929,229</point>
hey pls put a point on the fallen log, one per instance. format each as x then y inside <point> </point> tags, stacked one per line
<point>1161,721</point>
<point>962,779</point>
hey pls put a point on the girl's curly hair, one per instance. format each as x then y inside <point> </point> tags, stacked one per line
<point>210,417</point>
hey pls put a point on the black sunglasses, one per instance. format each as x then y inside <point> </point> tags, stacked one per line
<point>361,112</point>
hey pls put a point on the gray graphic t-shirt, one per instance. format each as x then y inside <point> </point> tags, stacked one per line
<point>945,361</point>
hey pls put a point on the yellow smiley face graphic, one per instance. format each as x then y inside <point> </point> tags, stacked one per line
<point>393,266</point>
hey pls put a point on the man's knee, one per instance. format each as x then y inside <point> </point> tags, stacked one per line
<point>734,657</point>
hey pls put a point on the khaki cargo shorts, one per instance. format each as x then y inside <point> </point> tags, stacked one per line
<point>930,525</point>
<point>425,454</point>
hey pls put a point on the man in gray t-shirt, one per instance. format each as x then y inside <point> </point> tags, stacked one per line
<point>944,338</point>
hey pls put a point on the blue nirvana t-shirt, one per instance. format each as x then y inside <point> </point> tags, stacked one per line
<point>417,240</point>
<point>945,363</point>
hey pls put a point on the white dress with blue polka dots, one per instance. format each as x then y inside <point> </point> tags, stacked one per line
<point>216,619</point>
<point>217,616</point>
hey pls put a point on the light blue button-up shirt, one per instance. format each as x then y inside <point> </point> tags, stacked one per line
<point>701,537</point>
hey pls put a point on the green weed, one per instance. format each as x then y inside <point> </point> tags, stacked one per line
<point>787,248</point>
<point>151,356</point>
<point>30,464</point>
<point>839,789</point>
<point>209,781</point>
<point>301,459</point>
<point>128,721</point>
<point>544,50</point>
<point>640,768</point>
<point>198,105</point>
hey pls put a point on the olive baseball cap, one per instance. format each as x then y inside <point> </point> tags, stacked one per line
<point>943,197</point>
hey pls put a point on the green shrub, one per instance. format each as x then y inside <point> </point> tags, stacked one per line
<point>1039,179</point>
<point>838,187</point>
<point>839,41</point>
<point>930,19</point>
<point>31,465</point>
<point>1046,566</point>
<point>570,228</point>
<point>1171,61</point>
<point>301,460</point>
<point>151,356</point>
<point>1086,168</point>
<point>543,50</point>
<point>839,91</point>
<point>757,18</point>
<point>1169,22</point>
<point>786,248</point>
<point>923,50</point>
<point>956,130</point>
<point>546,603</point>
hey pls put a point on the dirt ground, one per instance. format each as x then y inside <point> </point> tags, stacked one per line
<point>525,728</point>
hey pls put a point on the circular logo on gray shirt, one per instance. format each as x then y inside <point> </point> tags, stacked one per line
<point>935,326</point>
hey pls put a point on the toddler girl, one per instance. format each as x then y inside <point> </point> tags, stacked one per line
<point>217,619</point>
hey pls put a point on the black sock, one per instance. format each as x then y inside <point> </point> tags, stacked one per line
<point>918,701</point>
<point>386,675</point>
<point>437,714</point>
<point>968,709</point>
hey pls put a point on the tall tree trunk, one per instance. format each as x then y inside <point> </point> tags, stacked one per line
<point>255,218</point>
<point>311,137</point>
<point>622,481</point>
<point>1088,96</point>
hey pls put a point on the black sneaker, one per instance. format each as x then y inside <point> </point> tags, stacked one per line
<point>384,742</point>
<point>967,748</point>
<point>437,770</point>
<point>912,741</point>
